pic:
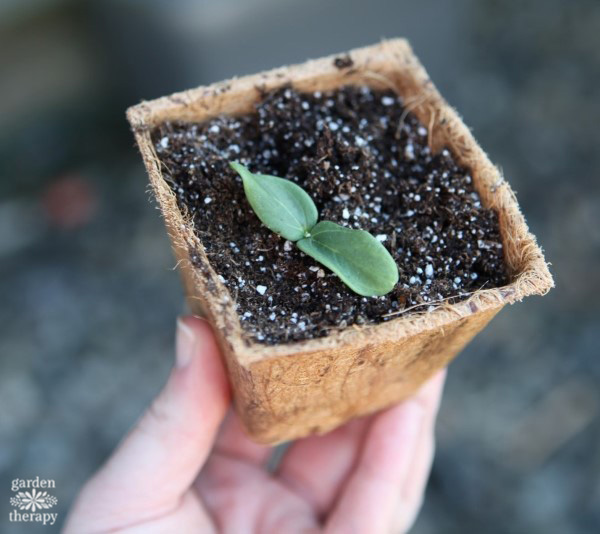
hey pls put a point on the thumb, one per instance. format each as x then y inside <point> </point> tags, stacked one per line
<point>161,456</point>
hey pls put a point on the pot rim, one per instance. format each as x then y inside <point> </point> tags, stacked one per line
<point>392,64</point>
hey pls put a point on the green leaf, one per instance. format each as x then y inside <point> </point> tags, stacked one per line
<point>281,205</point>
<point>361,261</point>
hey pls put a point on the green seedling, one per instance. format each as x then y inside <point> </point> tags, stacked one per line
<point>360,261</point>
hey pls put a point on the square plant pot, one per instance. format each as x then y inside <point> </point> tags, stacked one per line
<point>290,390</point>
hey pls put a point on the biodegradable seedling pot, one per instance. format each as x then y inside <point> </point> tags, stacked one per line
<point>290,390</point>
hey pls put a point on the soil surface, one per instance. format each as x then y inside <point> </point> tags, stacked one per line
<point>366,164</point>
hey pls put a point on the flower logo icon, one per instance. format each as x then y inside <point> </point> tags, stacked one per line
<point>33,500</point>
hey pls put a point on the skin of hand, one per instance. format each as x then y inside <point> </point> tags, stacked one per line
<point>187,465</point>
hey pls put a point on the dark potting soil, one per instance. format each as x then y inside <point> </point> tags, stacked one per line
<point>365,162</point>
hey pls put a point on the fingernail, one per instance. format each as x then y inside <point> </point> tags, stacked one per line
<point>185,342</point>
<point>414,414</point>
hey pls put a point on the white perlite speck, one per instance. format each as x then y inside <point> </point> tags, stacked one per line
<point>207,200</point>
<point>429,270</point>
<point>164,142</point>
<point>387,100</point>
<point>381,237</point>
<point>287,246</point>
<point>261,289</point>
<point>214,129</point>
<point>346,213</point>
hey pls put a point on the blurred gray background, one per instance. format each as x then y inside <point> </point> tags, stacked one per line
<point>88,291</point>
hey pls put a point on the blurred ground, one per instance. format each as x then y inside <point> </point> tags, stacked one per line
<point>89,295</point>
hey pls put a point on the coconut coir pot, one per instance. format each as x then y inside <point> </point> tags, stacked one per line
<point>289,390</point>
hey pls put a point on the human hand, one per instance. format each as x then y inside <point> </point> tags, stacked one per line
<point>187,466</point>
